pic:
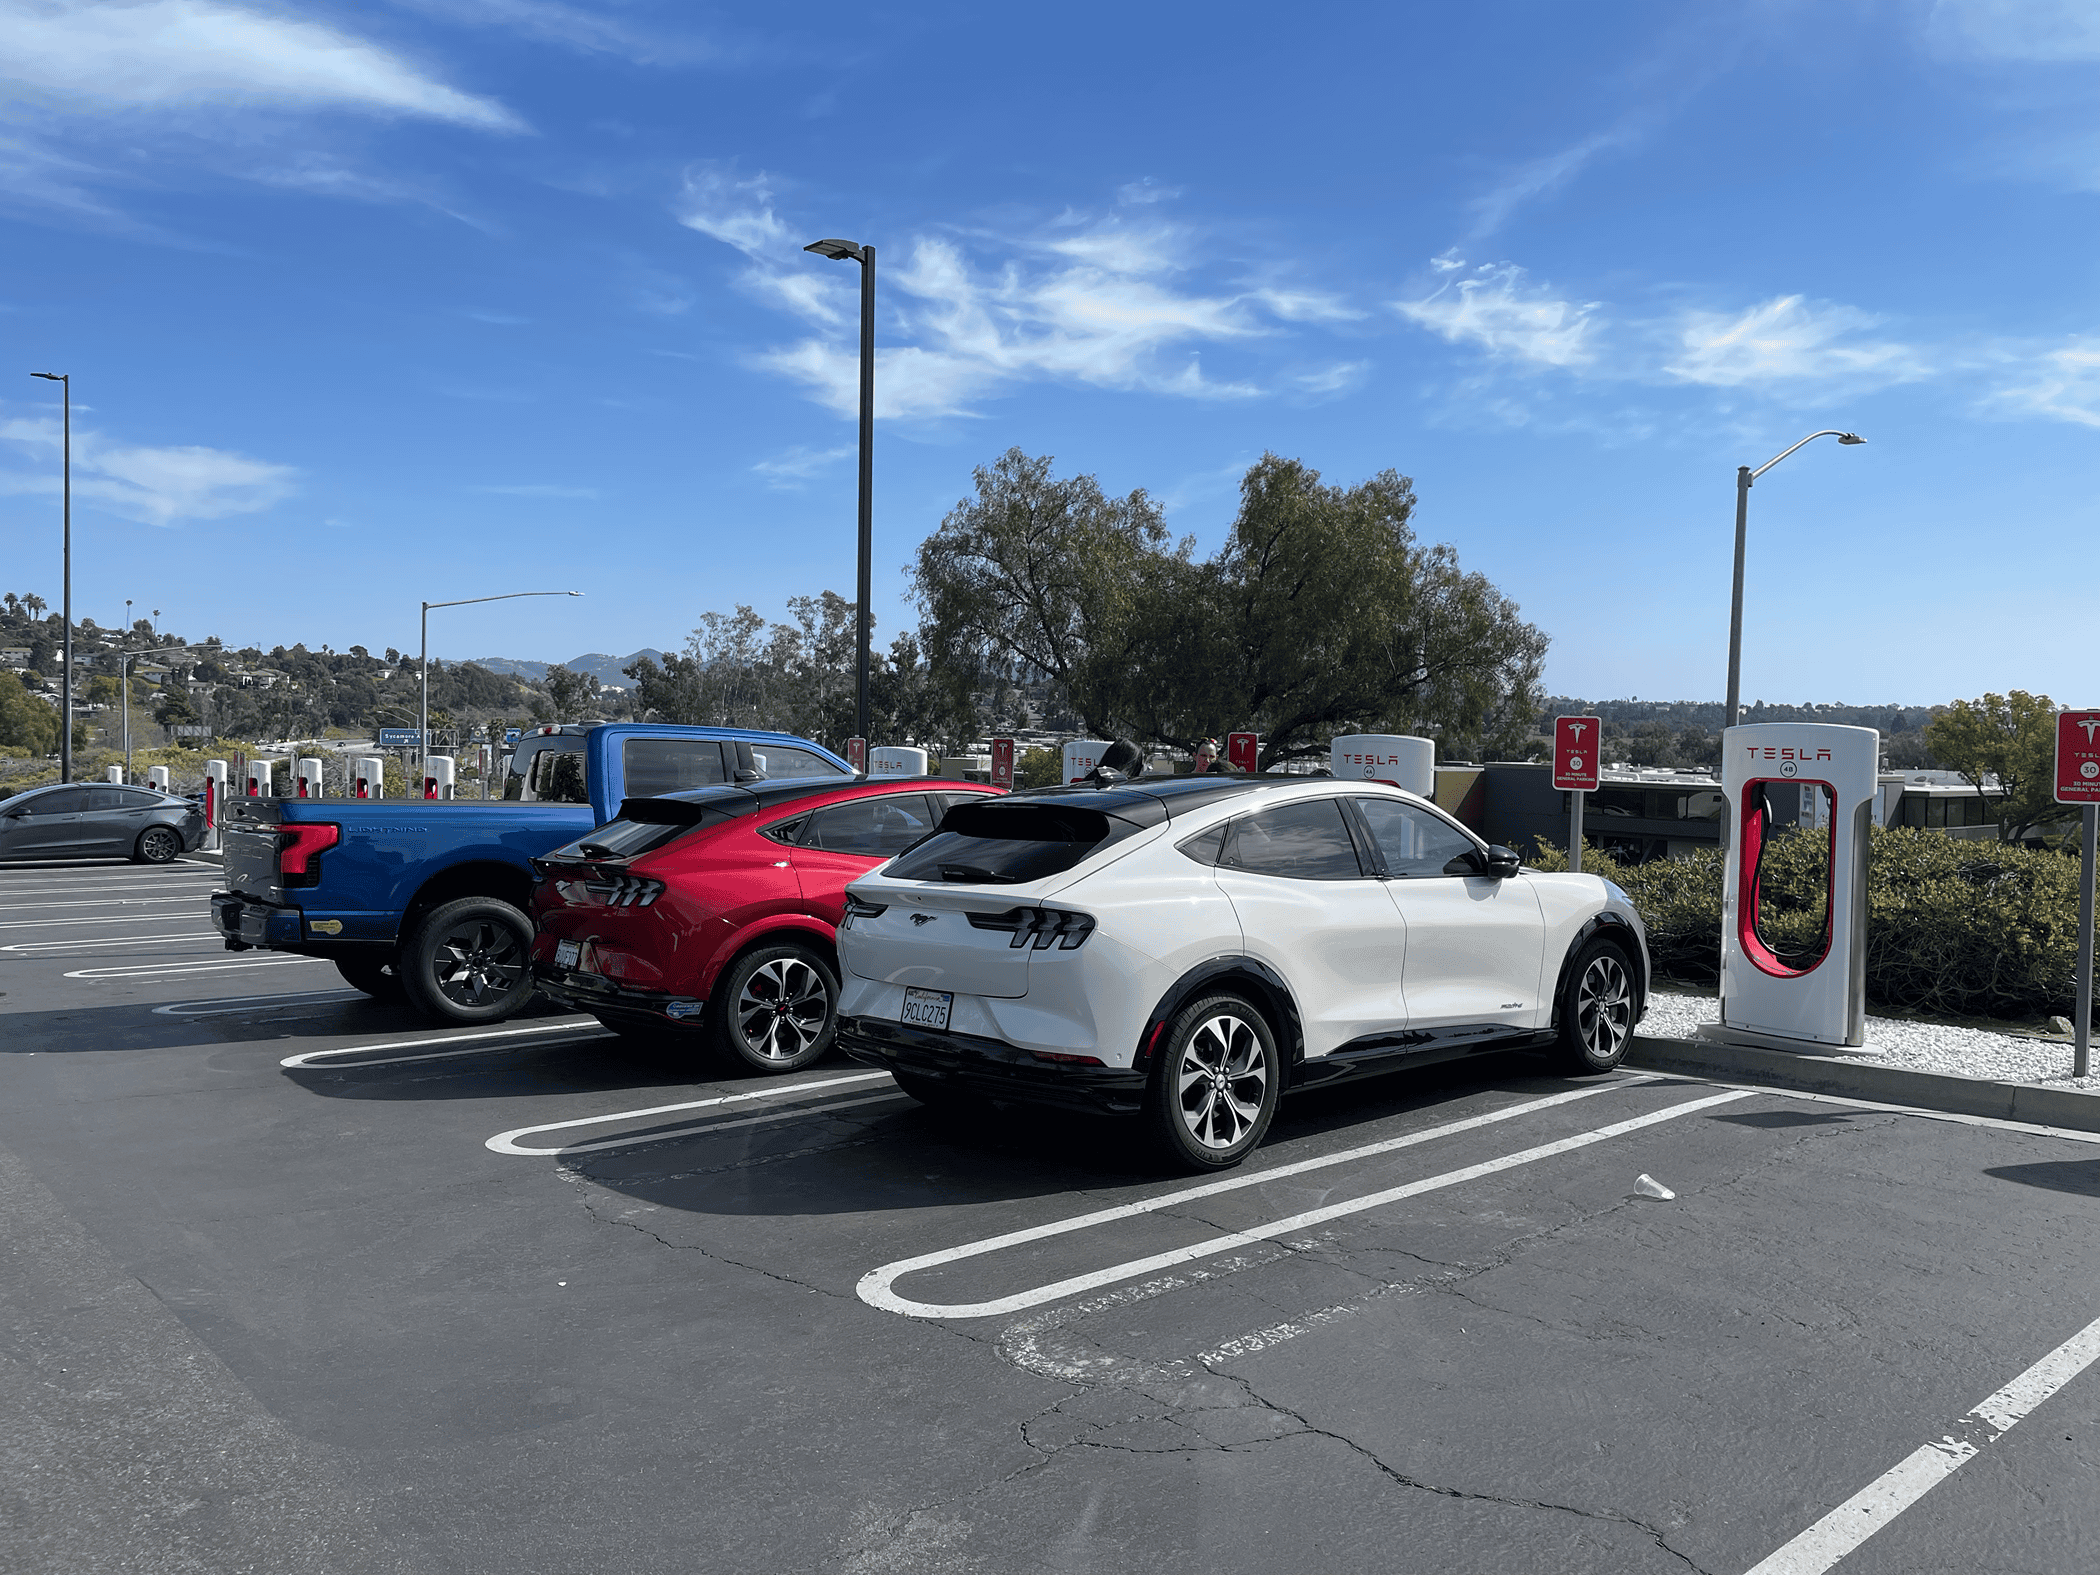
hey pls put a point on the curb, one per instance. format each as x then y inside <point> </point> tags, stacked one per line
<point>1889,1085</point>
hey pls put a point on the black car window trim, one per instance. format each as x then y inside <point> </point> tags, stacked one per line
<point>789,831</point>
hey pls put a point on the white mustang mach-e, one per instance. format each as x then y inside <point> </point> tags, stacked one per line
<point>1193,947</point>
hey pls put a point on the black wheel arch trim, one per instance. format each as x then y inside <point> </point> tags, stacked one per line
<point>1621,929</point>
<point>1258,978</point>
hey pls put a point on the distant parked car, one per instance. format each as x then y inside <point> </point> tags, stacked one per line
<point>94,820</point>
<point>712,914</point>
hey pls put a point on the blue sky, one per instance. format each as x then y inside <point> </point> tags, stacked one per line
<point>438,298</point>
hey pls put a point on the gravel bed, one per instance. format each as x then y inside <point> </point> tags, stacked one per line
<point>1905,1042</point>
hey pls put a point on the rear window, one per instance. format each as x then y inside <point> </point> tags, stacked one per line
<point>1008,844</point>
<point>623,839</point>
<point>784,762</point>
<point>550,772</point>
<point>670,765</point>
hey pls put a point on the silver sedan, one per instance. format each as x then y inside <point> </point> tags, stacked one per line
<point>97,820</point>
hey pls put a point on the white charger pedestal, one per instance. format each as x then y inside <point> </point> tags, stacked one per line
<point>368,777</point>
<point>1081,756</point>
<point>1817,780</point>
<point>308,782</point>
<point>1404,761</point>
<point>893,761</point>
<point>442,771</point>
<point>214,802</point>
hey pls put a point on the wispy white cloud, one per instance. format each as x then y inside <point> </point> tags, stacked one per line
<point>2016,29</point>
<point>2060,385</point>
<point>1541,176</point>
<point>1142,193</point>
<point>159,486</point>
<point>1793,341</point>
<point>736,212</point>
<point>164,53</point>
<point>1340,378</point>
<point>1083,299</point>
<point>1499,309</point>
<point>572,27</point>
<point>536,489</point>
<point>788,471</point>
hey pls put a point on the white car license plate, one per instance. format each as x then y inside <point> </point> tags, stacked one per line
<point>927,1008</point>
<point>567,954</point>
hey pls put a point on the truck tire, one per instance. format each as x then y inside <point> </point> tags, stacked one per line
<point>468,961</point>
<point>374,974</point>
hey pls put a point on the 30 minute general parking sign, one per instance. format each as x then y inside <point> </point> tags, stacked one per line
<point>1575,768</point>
<point>2078,757</point>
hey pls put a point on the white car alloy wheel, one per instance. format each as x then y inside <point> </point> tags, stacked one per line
<point>1218,1083</point>
<point>1598,1015</point>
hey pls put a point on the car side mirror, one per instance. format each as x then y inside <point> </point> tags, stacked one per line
<point>1503,862</point>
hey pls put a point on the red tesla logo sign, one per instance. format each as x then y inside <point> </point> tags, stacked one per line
<point>1243,750</point>
<point>1003,764</point>
<point>1575,753</point>
<point>857,753</point>
<point>2078,757</point>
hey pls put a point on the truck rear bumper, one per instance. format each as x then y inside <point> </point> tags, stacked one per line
<point>246,923</point>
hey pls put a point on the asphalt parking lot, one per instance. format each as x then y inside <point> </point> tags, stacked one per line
<point>292,1282</point>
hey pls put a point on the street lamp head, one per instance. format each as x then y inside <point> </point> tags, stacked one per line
<point>56,377</point>
<point>1850,437</point>
<point>836,250</point>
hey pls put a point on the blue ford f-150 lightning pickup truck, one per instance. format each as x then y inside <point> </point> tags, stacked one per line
<point>428,896</point>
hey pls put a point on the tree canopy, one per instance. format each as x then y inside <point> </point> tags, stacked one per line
<point>2011,737</point>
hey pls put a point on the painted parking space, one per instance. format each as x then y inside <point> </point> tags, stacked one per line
<point>533,1260</point>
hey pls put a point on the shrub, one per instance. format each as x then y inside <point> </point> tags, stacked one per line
<point>1952,926</point>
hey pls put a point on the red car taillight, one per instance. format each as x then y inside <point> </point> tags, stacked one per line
<point>297,848</point>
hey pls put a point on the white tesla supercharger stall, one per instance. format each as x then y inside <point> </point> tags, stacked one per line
<point>1408,763</point>
<point>1790,994</point>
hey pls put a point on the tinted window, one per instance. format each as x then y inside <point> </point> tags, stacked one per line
<point>879,827</point>
<point>998,842</point>
<point>1308,841</point>
<point>1205,846</point>
<point>670,765</point>
<point>781,762</point>
<point>66,801</point>
<point>622,839</point>
<point>115,798</point>
<point>557,777</point>
<point>1413,841</point>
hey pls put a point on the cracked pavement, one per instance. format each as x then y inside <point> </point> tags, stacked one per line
<point>306,1320</point>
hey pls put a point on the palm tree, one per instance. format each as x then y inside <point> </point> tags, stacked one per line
<point>36,605</point>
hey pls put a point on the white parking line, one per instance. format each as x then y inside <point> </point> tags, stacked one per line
<point>507,1142</point>
<point>155,970</point>
<point>311,1059</point>
<point>875,1287</point>
<point>1910,1479</point>
<point>108,940</point>
<point>8,892</point>
<point>101,902</point>
<point>221,1004</point>
<point>104,918</point>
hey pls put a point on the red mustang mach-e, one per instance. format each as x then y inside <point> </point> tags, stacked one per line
<point>713,913</point>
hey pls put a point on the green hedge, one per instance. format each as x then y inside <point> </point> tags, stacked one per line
<point>1959,927</point>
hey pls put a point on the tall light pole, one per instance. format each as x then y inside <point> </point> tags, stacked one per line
<point>865,256</point>
<point>65,735</point>
<point>465,601</point>
<point>1744,477</point>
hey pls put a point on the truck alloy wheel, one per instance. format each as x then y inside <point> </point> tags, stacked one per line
<point>781,1008</point>
<point>466,962</point>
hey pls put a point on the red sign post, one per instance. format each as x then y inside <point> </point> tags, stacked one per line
<point>1575,772</point>
<point>1003,764</point>
<point>1243,750</point>
<point>2078,782</point>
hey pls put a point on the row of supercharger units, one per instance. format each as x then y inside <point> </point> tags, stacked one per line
<point>258,778</point>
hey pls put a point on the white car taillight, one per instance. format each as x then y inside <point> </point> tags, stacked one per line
<point>1039,927</point>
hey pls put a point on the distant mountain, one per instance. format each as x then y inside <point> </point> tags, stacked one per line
<point>606,669</point>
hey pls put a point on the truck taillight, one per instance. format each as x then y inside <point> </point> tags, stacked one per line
<point>297,848</point>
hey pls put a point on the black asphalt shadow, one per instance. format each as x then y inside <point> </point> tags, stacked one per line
<point>1784,1118</point>
<point>2080,1176</point>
